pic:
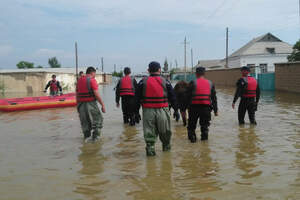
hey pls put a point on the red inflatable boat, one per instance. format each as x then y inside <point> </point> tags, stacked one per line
<point>32,103</point>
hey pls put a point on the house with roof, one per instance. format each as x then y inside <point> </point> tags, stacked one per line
<point>261,52</point>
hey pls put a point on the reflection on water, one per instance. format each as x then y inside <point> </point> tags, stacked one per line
<point>43,156</point>
<point>92,165</point>
<point>248,150</point>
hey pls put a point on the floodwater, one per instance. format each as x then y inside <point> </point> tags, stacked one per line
<point>43,156</point>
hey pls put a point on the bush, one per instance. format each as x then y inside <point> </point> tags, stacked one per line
<point>25,65</point>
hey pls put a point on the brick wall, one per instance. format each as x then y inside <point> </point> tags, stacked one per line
<point>287,77</point>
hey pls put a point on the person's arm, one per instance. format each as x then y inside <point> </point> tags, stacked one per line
<point>238,92</point>
<point>99,99</point>
<point>139,92</point>
<point>257,94</point>
<point>118,94</point>
<point>48,85</point>
<point>59,87</point>
<point>94,87</point>
<point>189,93</point>
<point>214,101</point>
<point>171,96</point>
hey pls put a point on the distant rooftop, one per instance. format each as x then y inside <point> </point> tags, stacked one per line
<point>265,44</point>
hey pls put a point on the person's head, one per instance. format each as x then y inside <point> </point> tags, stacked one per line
<point>91,71</point>
<point>200,71</point>
<point>53,77</point>
<point>81,74</point>
<point>154,68</point>
<point>127,71</point>
<point>245,71</point>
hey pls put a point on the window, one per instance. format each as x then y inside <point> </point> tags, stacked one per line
<point>263,68</point>
<point>270,50</point>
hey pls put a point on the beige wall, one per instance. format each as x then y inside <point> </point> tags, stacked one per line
<point>36,81</point>
<point>287,77</point>
<point>224,77</point>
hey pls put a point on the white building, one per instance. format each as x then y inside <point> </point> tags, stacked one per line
<point>261,52</point>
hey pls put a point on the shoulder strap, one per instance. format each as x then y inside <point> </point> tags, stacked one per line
<point>88,82</point>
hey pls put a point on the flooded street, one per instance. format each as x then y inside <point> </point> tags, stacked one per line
<point>43,156</point>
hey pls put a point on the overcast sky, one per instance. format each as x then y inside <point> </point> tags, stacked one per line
<point>135,32</point>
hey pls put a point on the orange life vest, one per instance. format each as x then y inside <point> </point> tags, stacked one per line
<point>155,94</point>
<point>53,86</point>
<point>84,90</point>
<point>127,86</point>
<point>202,92</point>
<point>250,90</point>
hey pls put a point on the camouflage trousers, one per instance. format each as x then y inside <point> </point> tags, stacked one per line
<point>90,118</point>
<point>156,122</point>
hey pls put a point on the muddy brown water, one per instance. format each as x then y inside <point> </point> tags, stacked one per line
<point>43,156</point>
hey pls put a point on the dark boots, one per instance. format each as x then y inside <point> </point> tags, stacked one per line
<point>204,133</point>
<point>192,136</point>
<point>150,149</point>
<point>166,147</point>
<point>204,136</point>
<point>125,119</point>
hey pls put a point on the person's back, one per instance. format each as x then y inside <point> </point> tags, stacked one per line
<point>126,89</point>
<point>89,114</point>
<point>154,93</point>
<point>203,100</point>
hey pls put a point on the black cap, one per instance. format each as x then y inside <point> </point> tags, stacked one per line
<point>200,70</point>
<point>245,68</point>
<point>53,76</point>
<point>154,66</point>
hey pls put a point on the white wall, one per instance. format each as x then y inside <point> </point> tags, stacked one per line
<point>265,59</point>
<point>234,62</point>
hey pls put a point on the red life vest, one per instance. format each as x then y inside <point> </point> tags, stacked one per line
<point>250,90</point>
<point>84,91</point>
<point>155,94</point>
<point>127,86</point>
<point>53,86</point>
<point>202,92</point>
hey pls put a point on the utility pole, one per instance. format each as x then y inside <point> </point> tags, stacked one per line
<point>226,48</point>
<point>192,59</point>
<point>185,58</point>
<point>176,64</point>
<point>76,61</point>
<point>102,64</point>
<point>115,67</point>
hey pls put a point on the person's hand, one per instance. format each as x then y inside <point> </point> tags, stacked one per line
<point>233,105</point>
<point>216,114</point>
<point>255,107</point>
<point>103,109</point>
<point>118,105</point>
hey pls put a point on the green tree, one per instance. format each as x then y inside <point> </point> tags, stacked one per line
<point>53,62</point>
<point>295,56</point>
<point>40,66</point>
<point>118,74</point>
<point>25,65</point>
<point>166,66</point>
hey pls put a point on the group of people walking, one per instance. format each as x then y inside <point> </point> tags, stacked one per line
<point>156,96</point>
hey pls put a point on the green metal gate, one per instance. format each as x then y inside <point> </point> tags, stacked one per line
<point>266,81</point>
